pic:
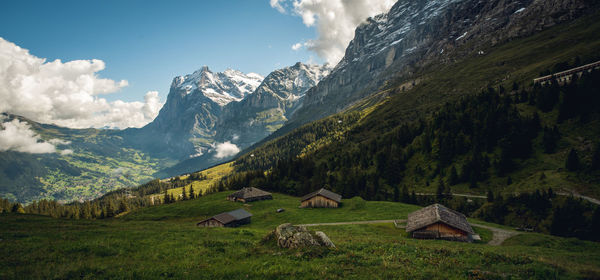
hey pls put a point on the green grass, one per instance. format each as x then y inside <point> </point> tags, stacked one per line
<point>213,175</point>
<point>163,242</point>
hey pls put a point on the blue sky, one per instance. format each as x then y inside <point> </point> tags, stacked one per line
<point>147,43</point>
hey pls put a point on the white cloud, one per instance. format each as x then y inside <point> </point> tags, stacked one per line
<point>277,5</point>
<point>66,152</point>
<point>66,94</point>
<point>335,21</point>
<point>296,46</point>
<point>57,142</point>
<point>226,149</point>
<point>17,136</point>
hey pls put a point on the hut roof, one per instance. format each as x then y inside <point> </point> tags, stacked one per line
<point>437,213</point>
<point>230,216</point>
<point>323,192</point>
<point>249,192</point>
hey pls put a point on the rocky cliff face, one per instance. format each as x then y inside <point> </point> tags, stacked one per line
<point>267,109</point>
<point>415,33</point>
<point>186,124</point>
<point>205,108</point>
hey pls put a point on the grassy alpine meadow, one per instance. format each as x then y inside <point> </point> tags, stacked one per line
<point>163,242</point>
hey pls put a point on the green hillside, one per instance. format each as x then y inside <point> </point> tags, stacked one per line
<point>479,118</point>
<point>99,163</point>
<point>163,242</point>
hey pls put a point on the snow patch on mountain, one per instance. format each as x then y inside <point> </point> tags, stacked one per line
<point>221,87</point>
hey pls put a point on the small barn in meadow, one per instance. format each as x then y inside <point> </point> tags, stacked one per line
<point>439,222</point>
<point>321,199</point>
<point>233,218</point>
<point>249,194</point>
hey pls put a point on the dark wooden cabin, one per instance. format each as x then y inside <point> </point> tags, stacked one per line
<point>321,199</point>
<point>249,194</point>
<point>233,218</point>
<point>439,222</point>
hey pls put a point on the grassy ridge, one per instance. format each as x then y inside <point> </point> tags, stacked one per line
<point>163,242</point>
<point>213,175</point>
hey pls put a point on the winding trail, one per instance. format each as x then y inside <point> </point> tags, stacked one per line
<point>354,223</point>
<point>574,194</point>
<point>499,235</point>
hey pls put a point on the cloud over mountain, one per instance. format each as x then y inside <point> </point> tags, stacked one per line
<point>335,21</point>
<point>66,93</point>
<point>17,136</point>
<point>226,149</point>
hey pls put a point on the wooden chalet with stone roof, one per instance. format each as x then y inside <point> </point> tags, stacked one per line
<point>233,218</point>
<point>321,199</point>
<point>439,222</point>
<point>249,194</point>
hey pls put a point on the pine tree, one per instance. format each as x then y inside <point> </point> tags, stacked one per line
<point>18,208</point>
<point>473,182</point>
<point>572,163</point>
<point>184,193</point>
<point>192,195</point>
<point>405,195</point>
<point>111,209</point>
<point>448,192</point>
<point>123,207</point>
<point>490,196</point>
<point>440,189</point>
<point>172,198</point>
<point>166,198</point>
<point>396,193</point>
<point>595,227</point>
<point>596,158</point>
<point>453,179</point>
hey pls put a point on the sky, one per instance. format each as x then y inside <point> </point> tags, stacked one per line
<point>148,43</point>
<point>110,63</point>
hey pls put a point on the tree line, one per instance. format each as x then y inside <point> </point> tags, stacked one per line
<point>111,204</point>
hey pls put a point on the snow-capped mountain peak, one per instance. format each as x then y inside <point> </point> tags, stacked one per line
<point>220,87</point>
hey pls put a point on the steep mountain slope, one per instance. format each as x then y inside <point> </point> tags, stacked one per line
<point>417,34</point>
<point>256,116</point>
<point>88,164</point>
<point>265,110</point>
<point>186,124</point>
<point>438,131</point>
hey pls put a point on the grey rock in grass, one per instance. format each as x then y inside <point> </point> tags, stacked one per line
<point>290,236</point>
<point>324,240</point>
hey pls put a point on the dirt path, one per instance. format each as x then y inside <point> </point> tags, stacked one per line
<point>455,194</point>
<point>590,199</point>
<point>354,223</point>
<point>499,235</point>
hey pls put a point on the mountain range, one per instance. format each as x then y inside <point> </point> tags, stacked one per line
<point>209,116</point>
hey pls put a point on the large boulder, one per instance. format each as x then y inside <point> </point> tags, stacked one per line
<point>290,236</point>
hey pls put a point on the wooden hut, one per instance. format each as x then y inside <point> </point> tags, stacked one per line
<point>249,194</point>
<point>321,199</point>
<point>439,222</point>
<point>233,218</point>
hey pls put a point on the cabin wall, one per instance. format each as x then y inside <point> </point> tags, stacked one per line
<point>256,198</point>
<point>319,202</point>
<point>210,223</point>
<point>239,222</point>
<point>445,230</point>
<point>441,231</point>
